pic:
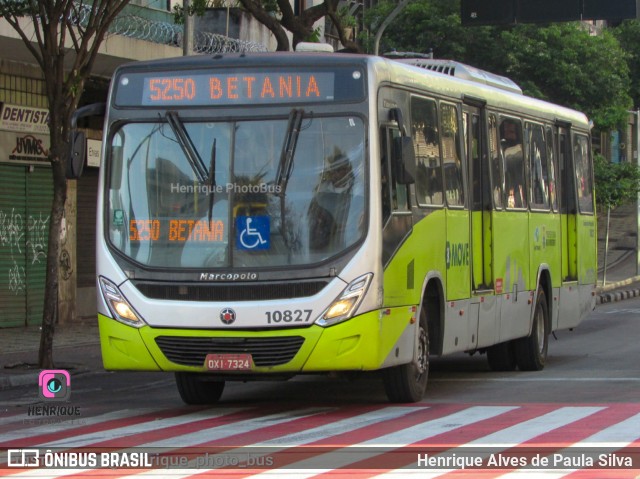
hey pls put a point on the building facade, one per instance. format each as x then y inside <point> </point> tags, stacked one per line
<point>144,31</point>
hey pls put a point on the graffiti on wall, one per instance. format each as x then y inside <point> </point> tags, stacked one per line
<point>26,241</point>
<point>38,233</point>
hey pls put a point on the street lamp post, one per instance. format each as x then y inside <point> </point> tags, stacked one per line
<point>187,35</point>
<point>386,23</point>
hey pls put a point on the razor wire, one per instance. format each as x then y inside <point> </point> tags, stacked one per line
<point>166,33</point>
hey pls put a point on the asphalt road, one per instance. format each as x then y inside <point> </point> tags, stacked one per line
<point>596,362</point>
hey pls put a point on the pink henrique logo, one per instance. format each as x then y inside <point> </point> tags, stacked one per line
<point>54,385</point>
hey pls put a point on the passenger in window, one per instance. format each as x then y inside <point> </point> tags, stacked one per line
<point>516,197</point>
<point>331,203</point>
<point>338,176</point>
<point>511,145</point>
<point>510,139</point>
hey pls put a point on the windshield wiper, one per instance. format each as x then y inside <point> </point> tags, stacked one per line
<point>211,180</point>
<point>285,167</point>
<point>288,150</point>
<point>187,146</point>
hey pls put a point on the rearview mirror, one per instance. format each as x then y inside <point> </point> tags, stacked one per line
<point>404,160</point>
<point>78,140</point>
<point>78,152</point>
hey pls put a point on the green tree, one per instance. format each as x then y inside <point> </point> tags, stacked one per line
<point>279,17</point>
<point>426,25</point>
<point>560,63</point>
<point>564,64</point>
<point>616,184</point>
<point>628,34</point>
<point>64,37</point>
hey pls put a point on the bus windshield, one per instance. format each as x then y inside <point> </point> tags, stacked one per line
<point>163,212</point>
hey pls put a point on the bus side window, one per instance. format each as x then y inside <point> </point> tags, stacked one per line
<point>512,152</point>
<point>497,167</point>
<point>583,169</point>
<point>385,169</point>
<point>553,168</point>
<point>394,195</point>
<point>399,192</point>
<point>538,166</point>
<point>451,155</point>
<point>426,144</point>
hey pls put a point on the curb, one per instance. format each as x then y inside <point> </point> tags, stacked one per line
<point>612,297</point>
<point>16,379</point>
<point>606,293</point>
<point>19,379</point>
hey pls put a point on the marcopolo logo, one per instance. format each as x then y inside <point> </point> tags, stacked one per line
<point>227,316</point>
<point>54,385</point>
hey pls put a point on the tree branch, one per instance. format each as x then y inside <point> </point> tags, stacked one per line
<point>15,24</point>
<point>274,26</point>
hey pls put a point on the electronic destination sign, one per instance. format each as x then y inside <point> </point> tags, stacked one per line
<point>247,87</point>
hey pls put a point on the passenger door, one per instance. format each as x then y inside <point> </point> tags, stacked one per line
<point>568,206</point>
<point>457,250</point>
<point>480,199</point>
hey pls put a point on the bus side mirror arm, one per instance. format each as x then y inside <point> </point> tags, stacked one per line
<point>78,140</point>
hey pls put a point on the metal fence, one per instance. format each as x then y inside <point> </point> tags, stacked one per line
<point>170,34</point>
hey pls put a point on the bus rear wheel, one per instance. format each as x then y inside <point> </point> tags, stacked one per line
<point>531,351</point>
<point>197,388</point>
<point>408,382</point>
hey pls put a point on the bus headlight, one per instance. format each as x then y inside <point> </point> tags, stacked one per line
<point>345,305</point>
<point>118,305</point>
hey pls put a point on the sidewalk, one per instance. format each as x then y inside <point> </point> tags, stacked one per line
<point>76,348</point>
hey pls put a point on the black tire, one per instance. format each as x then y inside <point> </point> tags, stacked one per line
<point>408,382</point>
<point>531,351</point>
<point>502,357</point>
<point>197,388</point>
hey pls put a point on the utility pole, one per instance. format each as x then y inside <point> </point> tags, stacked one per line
<point>187,33</point>
<point>636,154</point>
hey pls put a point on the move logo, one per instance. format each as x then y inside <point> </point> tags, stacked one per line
<point>457,254</point>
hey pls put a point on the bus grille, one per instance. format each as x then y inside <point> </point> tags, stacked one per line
<point>229,292</point>
<point>190,351</point>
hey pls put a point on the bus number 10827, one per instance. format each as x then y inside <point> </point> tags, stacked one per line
<point>288,316</point>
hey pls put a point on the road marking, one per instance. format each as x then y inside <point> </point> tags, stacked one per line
<point>336,430</point>
<point>530,380</point>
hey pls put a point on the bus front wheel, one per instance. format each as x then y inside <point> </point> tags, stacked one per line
<point>408,382</point>
<point>531,351</point>
<point>197,388</point>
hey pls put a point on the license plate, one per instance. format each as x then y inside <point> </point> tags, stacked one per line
<point>228,362</point>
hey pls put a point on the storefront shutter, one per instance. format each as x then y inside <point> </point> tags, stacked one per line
<point>13,221</point>
<point>39,187</point>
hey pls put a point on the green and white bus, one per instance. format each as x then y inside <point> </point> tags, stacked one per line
<point>268,215</point>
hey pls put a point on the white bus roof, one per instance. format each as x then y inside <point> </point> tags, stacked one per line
<point>467,72</point>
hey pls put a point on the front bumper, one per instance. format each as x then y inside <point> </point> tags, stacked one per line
<point>365,342</point>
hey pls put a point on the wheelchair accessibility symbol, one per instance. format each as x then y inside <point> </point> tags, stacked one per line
<point>253,232</point>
